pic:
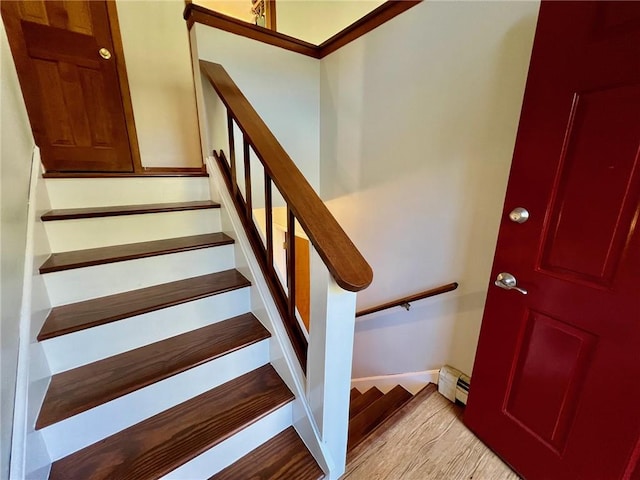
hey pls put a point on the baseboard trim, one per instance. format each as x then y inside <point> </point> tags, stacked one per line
<point>412,381</point>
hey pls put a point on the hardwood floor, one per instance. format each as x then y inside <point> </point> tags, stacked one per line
<point>430,442</point>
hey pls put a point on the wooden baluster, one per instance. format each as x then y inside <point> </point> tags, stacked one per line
<point>291,262</point>
<point>268,216</point>
<point>232,155</point>
<point>247,178</point>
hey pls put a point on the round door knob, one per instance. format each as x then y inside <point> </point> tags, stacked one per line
<point>519,215</point>
<point>104,53</point>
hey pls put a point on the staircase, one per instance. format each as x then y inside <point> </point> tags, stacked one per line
<point>159,367</point>
<point>372,412</point>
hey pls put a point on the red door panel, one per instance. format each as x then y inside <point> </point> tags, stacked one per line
<point>555,387</point>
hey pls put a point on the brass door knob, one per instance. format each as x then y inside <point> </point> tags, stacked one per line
<point>104,53</point>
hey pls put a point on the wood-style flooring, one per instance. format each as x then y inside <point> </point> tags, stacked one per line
<point>429,442</point>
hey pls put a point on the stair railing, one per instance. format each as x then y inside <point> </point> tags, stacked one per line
<point>261,177</point>
<point>303,206</point>
<point>405,302</point>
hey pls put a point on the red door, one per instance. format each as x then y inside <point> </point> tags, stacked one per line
<point>556,383</point>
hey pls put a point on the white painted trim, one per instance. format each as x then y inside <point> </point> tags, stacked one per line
<point>93,344</point>
<point>17,465</point>
<point>412,381</point>
<point>71,434</point>
<point>235,447</point>
<point>283,357</point>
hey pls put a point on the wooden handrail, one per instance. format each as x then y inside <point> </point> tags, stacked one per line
<point>343,260</point>
<point>198,14</point>
<point>411,298</point>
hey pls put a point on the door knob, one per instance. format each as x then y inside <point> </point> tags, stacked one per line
<point>519,215</point>
<point>104,53</point>
<point>508,282</point>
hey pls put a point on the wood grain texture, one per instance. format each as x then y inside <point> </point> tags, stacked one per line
<point>284,457</point>
<point>411,298</point>
<point>353,394</point>
<point>145,173</point>
<point>343,260</point>
<point>85,387</point>
<point>372,417</point>
<point>199,14</point>
<point>363,401</point>
<point>95,212</point>
<point>117,253</point>
<point>73,96</point>
<point>99,311</point>
<point>397,416</point>
<point>430,442</point>
<point>158,445</point>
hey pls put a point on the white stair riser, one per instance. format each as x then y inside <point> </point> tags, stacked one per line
<point>232,449</point>
<point>78,284</point>
<point>81,234</point>
<point>79,431</point>
<point>106,192</point>
<point>86,346</point>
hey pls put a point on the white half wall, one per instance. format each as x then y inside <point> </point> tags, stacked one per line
<point>16,143</point>
<point>156,51</point>
<point>283,87</point>
<point>418,124</point>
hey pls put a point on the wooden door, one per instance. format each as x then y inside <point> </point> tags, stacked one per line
<point>555,388</point>
<point>71,91</point>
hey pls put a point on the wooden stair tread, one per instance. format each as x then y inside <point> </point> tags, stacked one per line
<point>99,311</point>
<point>397,416</point>
<point>363,401</point>
<point>353,394</point>
<point>98,256</point>
<point>158,445</point>
<point>82,388</point>
<point>114,211</point>
<point>375,414</point>
<point>284,457</point>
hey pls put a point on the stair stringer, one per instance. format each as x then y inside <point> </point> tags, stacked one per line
<point>282,354</point>
<point>29,455</point>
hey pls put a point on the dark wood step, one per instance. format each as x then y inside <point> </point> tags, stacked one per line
<point>284,457</point>
<point>363,401</point>
<point>375,414</point>
<point>160,444</point>
<point>99,311</point>
<point>390,421</point>
<point>117,253</point>
<point>82,388</point>
<point>116,211</point>
<point>355,393</point>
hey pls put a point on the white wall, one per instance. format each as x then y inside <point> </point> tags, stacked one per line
<point>16,144</point>
<point>156,51</point>
<point>418,124</point>
<point>317,20</point>
<point>283,87</point>
<point>240,9</point>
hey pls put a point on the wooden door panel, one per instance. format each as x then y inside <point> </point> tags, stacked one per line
<point>72,94</point>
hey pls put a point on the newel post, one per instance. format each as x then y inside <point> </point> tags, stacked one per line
<point>329,361</point>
